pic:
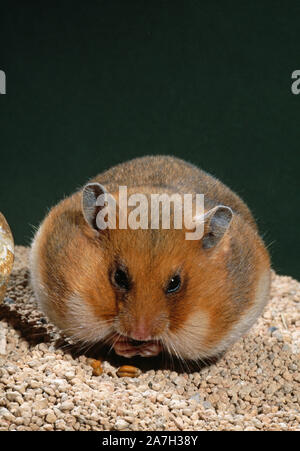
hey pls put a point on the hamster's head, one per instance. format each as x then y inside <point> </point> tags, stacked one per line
<point>144,291</point>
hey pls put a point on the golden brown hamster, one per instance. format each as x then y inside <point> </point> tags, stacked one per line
<point>145,290</point>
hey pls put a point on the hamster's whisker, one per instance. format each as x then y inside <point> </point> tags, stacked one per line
<point>179,357</point>
<point>116,335</point>
<point>168,354</point>
<point>173,350</point>
<point>78,333</point>
<point>186,337</point>
<point>86,347</point>
<point>102,323</point>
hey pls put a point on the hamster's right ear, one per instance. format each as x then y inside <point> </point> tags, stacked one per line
<point>90,202</point>
<point>217,221</point>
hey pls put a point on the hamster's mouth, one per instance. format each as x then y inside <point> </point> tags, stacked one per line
<point>127,347</point>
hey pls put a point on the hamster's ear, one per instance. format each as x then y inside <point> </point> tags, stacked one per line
<point>90,209</point>
<point>217,221</point>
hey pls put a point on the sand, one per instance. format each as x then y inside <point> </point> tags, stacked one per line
<point>46,383</point>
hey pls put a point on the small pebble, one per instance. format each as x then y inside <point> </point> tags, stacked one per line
<point>121,424</point>
<point>3,342</point>
<point>8,301</point>
<point>272,329</point>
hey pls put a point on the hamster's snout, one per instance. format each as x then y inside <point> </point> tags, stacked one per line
<point>141,331</point>
<point>140,337</point>
<point>143,327</point>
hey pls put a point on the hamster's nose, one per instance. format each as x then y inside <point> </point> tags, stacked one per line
<point>141,331</point>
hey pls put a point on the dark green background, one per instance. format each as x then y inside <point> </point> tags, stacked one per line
<point>90,84</point>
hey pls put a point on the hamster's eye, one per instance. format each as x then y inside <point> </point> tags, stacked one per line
<point>121,279</point>
<point>174,284</point>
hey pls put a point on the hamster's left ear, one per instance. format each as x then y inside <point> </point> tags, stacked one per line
<point>217,220</point>
<point>90,206</point>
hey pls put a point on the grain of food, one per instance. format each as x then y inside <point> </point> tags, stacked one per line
<point>128,371</point>
<point>97,367</point>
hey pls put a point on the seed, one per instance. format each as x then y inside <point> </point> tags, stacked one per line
<point>97,367</point>
<point>128,371</point>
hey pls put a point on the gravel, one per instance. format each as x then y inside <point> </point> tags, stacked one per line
<point>47,383</point>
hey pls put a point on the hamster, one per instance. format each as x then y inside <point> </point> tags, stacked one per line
<point>147,291</point>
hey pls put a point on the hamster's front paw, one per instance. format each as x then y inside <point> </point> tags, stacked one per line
<point>130,348</point>
<point>150,349</point>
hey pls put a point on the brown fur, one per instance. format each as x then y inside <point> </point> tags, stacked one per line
<point>69,258</point>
